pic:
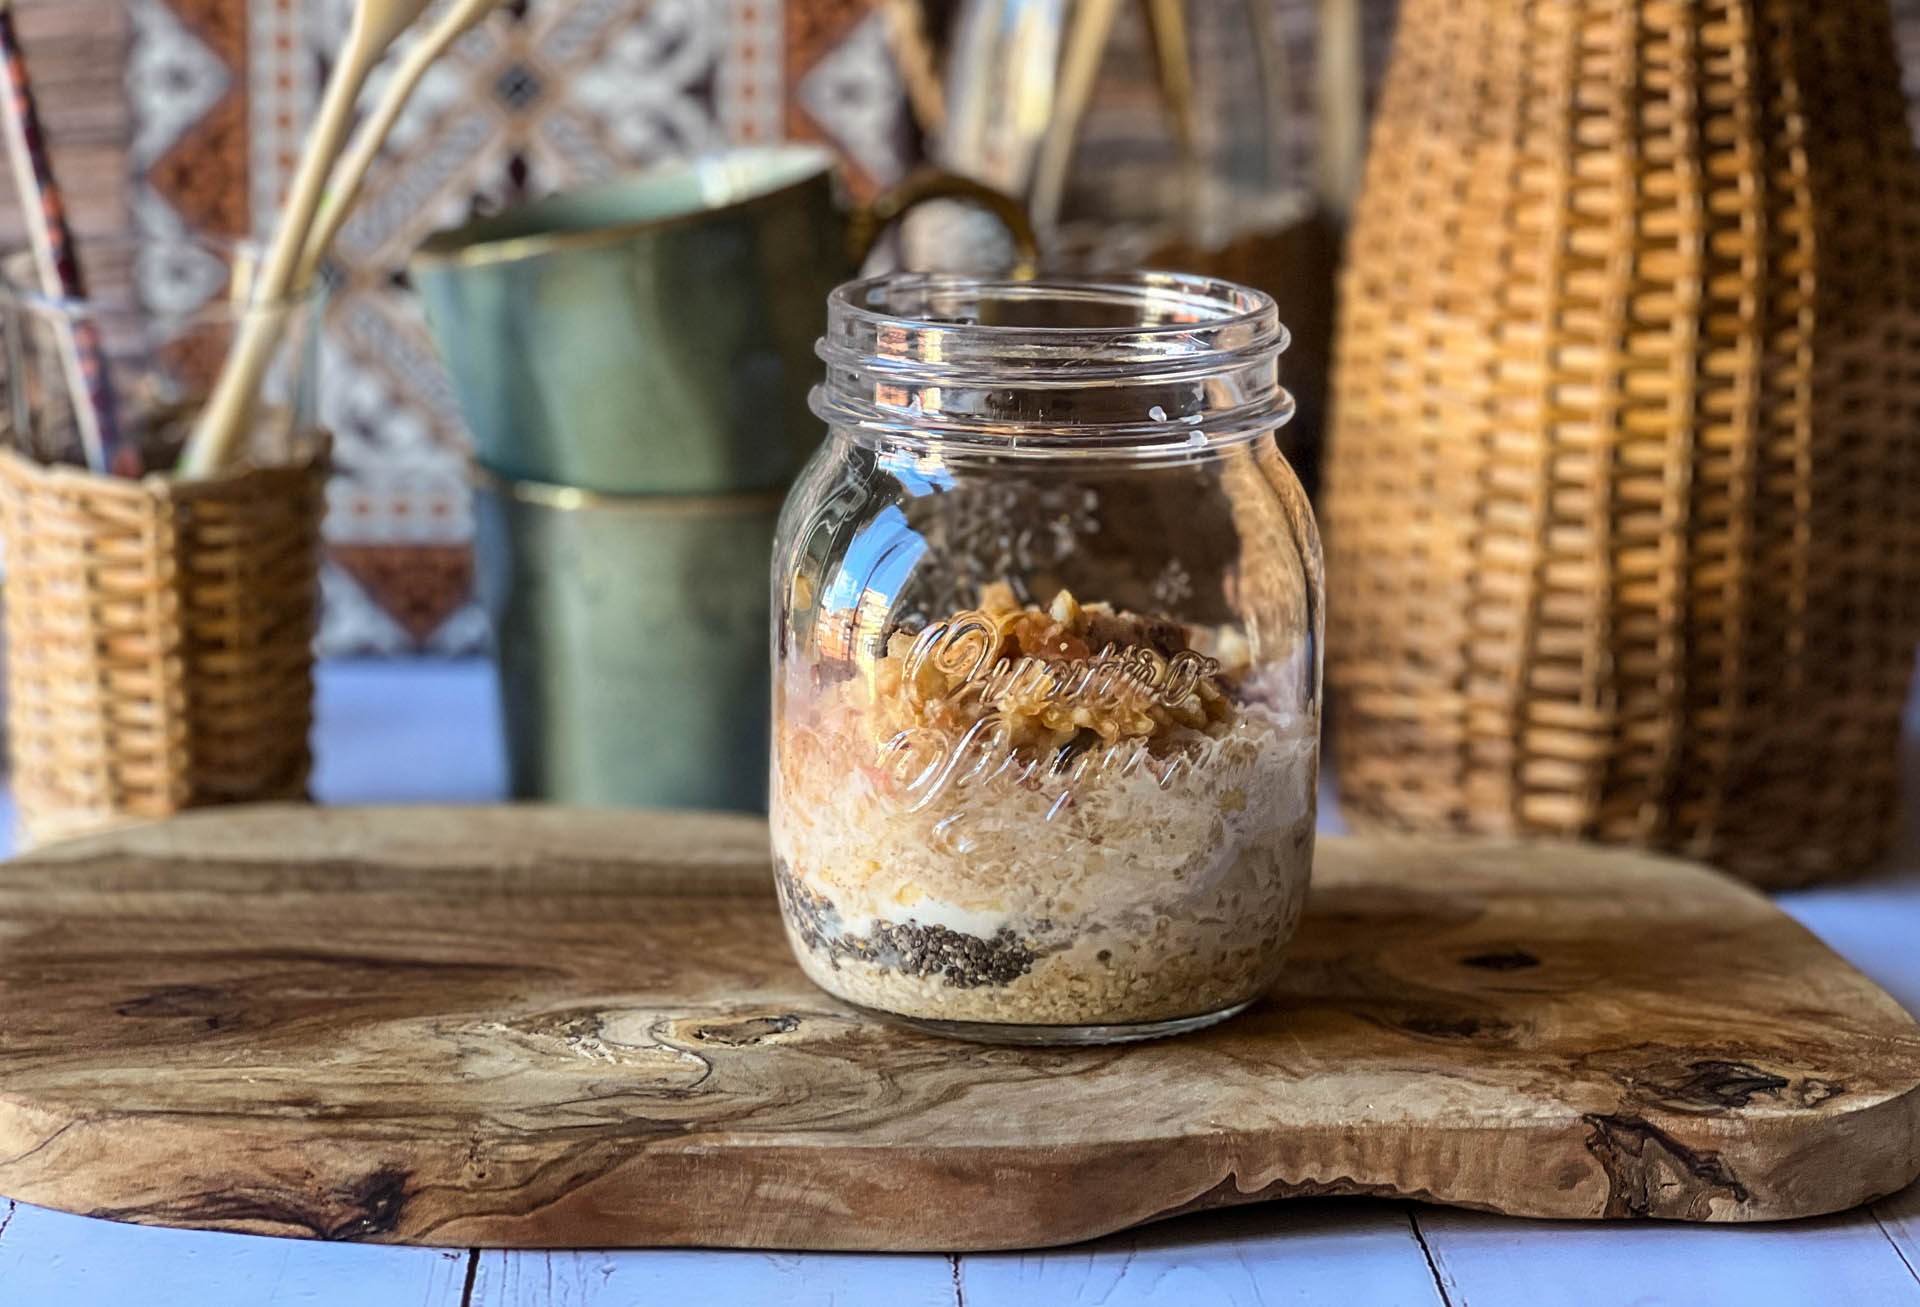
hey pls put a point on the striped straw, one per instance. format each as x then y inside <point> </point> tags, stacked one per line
<point>82,355</point>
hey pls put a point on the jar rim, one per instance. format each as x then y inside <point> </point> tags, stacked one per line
<point>1247,316</point>
<point>1142,361</point>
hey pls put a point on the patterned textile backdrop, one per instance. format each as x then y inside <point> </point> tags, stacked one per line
<point>176,115</point>
<point>547,93</point>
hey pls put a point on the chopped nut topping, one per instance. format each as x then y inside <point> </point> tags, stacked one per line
<point>1059,678</point>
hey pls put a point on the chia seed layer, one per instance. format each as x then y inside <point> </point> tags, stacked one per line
<point>910,948</point>
<point>1068,920</point>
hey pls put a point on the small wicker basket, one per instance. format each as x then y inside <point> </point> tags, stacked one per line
<point>159,639</point>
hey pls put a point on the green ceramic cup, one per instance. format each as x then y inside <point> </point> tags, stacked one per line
<point>633,359</point>
<point>631,635</point>
<point>651,335</point>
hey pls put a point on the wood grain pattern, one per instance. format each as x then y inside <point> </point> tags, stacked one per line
<point>544,1028</point>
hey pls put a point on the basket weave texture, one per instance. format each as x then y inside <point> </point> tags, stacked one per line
<point>1623,493</point>
<point>159,640</point>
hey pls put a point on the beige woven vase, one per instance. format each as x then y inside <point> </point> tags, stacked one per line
<point>159,639</point>
<point>1623,495</point>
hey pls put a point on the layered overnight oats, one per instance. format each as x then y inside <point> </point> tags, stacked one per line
<point>1046,659</point>
<point>1067,816</point>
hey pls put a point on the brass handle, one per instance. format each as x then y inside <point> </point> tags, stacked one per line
<point>928,183</point>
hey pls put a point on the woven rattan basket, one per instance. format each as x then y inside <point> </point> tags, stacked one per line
<point>159,639</point>
<point>1623,506</point>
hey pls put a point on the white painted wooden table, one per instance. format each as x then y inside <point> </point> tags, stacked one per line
<point>420,731</point>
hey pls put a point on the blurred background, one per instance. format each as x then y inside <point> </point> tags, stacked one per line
<point>1683,238</point>
<point>175,116</point>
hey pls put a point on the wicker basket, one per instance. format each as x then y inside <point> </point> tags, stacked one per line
<point>159,640</point>
<point>1623,507</point>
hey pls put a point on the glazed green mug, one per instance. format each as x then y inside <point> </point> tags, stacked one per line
<point>633,359</point>
<point>654,334</point>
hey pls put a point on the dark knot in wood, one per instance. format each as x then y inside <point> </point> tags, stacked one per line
<point>1516,959</point>
<point>368,1208</point>
<point>1716,1083</point>
<point>753,1030</point>
<point>1650,1173</point>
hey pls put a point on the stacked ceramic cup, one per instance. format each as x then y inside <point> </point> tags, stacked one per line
<point>634,360</point>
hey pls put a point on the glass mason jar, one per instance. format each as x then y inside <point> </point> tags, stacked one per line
<point>1047,614</point>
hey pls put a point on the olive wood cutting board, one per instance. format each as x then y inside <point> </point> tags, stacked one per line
<point>537,1027</point>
